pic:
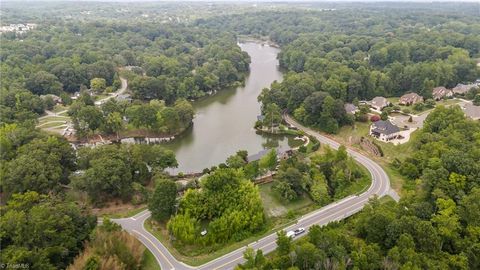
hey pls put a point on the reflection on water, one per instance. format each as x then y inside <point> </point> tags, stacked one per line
<point>224,122</point>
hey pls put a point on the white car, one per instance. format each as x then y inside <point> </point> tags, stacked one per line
<point>290,234</point>
<point>299,231</point>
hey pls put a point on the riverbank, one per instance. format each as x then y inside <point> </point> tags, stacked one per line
<point>224,122</point>
<point>262,40</point>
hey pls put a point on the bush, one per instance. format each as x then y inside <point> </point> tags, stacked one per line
<point>430,103</point>
<point>418,106</point>
<point>302,149</point>
<point>476,100</point>
<point>362,117</point>
<point>375,118</point>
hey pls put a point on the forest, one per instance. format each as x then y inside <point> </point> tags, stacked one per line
<point>435,226</point>
<point>357,54</point>
<point>331,54</point>
<point>175,62</point>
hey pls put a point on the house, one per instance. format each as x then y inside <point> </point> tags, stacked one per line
<point>350,108</point>
<point>441,92</point>
<point>471,111</point>
<point>462,89</point>
<point>124,97</point>
<point>384,130</point>
<point>282,153</point>
<point>55,98</point>
<point>378,103</point>
<point>410,99</point>
<point>75,96</point>
<point>258,155</point>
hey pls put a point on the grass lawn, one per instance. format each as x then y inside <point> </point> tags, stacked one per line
<point>101,96</point>
<point>393,100</point>
<point>60,125</point>
<point>275,206</point>
<point>59,108</point>
<point>124,213</point>
<point>279,215</point>
<point>149,262</point>
<point>206,254</point>
<point>53,118</point>
<point>448,102</point>
<point>351,136</point>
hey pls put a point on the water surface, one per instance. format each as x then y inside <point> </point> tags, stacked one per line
<point>224,122</point>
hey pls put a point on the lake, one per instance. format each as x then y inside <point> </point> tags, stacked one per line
<point>224,122</point>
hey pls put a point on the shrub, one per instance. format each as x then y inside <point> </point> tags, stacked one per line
<point>375,118</point>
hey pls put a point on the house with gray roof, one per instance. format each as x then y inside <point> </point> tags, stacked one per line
<point>384,130</point>
<point>471,111</point>
<point>350,108</point>
<point>378,103</point>
<point>462,89</point>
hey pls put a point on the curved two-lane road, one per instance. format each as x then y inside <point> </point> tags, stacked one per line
<point>333,212</point>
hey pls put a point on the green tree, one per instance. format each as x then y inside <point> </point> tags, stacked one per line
<point>269,161</point>
<point>142,116</point>
<point>98,84</point>
<point>162,202</point>
<point>42,165</point>
<point>284,243</point>
<point>107,177</point>
<point>42,83</point>
<point>113,123</point>
<point>273,116</point>
<point>42,231</point>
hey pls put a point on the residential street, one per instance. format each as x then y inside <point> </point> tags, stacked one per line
<point>333,212</point>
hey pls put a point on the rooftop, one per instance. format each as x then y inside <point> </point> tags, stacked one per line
<point>385,127</point>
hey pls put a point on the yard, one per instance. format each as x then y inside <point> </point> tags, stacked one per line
<point>279,215</point>
<point>350,136</point>
<point>274,205</point>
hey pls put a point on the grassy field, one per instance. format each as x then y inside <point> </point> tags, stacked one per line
<point>274,205</point>
<point>350,136</point>
<point>59,108</point>
<point>279,213</point>
<point>58,125</point>
<point>53,118</point>
<point>149,262</point>
<point>184,254</point>
<point>124,213</point>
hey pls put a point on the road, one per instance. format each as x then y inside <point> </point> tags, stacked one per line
<point>120,91</point>
<point>333,212</point>
<point>65,124</point>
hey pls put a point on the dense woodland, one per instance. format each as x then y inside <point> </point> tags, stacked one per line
<point>61,58</point>
<point>323,177</point>
<point>435,226</point>
<point>346,55</point>
<point>330,57</point>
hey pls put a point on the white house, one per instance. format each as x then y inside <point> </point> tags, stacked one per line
<point>384,130</point>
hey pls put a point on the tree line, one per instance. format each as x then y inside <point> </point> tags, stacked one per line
<point>434,226</point>
<point>175,62</point>
<point>349,54</point>
<point>113,116</point>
